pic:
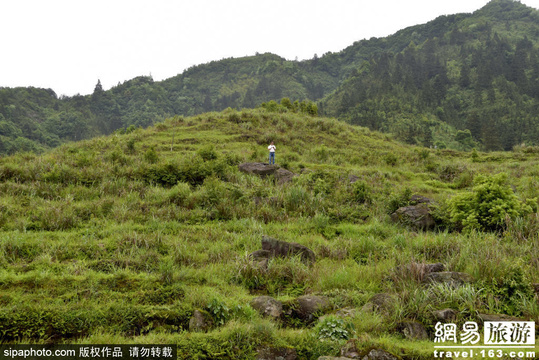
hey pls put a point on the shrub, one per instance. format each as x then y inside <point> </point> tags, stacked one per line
<point>489,204</point>
<point>334,328</point>
<point>151,156</point>
<point>399,200</point>
<point>390,159</point>
<point>361,192</point>
<point>207,153</point>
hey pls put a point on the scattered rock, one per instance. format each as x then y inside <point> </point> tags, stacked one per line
<point>349,350</point>
<point>198,322</point>
<point>334,358</point>
<point>308,306</point>
<point>267,306</point>
<point>417,271</point>
<point>281,353</point>
<point>383,303</point>
<point>280,248</point>
<point>413,330</point>
<point>419,216</point>
<point>445,314</point>
<point>379,354</point>
<point>448,277</point>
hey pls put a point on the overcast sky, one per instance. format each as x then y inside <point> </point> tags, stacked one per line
<point>67,45</point>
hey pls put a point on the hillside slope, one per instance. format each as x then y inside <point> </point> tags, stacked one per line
<point>123,239</point>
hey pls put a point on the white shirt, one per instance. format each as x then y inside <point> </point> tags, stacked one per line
<point>271,148</point>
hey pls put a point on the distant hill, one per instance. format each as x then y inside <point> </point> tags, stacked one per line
<point>459,81</point>
<point>464,80</point>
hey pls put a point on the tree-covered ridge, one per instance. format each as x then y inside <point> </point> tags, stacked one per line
<point>467,79</point>
<point>474,85</point>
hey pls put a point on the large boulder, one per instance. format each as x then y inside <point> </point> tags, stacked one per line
<point>267,306</point>
<point>308,307</point>
<point>418,217</point>
<point>413,330</point>
<point>382,303</point>
<point>278,248</point>
<point>260,169</point>
<point>445,314</point>
<point>281,175</point>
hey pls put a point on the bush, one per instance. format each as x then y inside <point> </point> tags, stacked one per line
<point>361,192</point>
<point>334,328</point>
<point>489,205</point>
<point>399,200</point>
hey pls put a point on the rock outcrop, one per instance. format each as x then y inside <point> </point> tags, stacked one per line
<point>281,175</point>
<point>278,248</point>
<point>267,306</point>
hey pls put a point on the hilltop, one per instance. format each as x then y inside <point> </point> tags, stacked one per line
<point>144,237</point>
<point>460,81</point>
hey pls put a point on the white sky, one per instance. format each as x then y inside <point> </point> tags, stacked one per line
<point>67,45</point>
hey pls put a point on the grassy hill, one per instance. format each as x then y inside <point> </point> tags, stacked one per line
<point>120,239</point>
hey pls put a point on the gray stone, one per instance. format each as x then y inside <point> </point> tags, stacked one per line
<point>280,248</point>
<point>347,312</point>
<point>437,267</point>
<point>198,322</point>
<point>260,255</point>
<point>283,176</point>
<point>259,169</point>
<point>267,306</point>
<point>420,199</point>
<point>281,353</point>
<point>416,216</point>
<point>413,330</point>
<point>382,303</point>
<point>379,354</point>
<point>445,314</point>
<point>448,277</point>
<point>349,350</point>
<point>308,306</point>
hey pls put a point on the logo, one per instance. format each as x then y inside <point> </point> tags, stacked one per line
<point>500,338</point>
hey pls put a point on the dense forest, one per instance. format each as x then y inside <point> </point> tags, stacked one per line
<point>462,81</point>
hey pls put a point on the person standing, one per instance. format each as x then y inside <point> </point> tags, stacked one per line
<point>271,149</point>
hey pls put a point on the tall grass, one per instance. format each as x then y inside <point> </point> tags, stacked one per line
<point>119,239</point>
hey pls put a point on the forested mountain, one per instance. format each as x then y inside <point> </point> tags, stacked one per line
<point>460,81</point>
<point>474,81</point>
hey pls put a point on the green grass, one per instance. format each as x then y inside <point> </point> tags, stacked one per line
<point>102,243</point>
